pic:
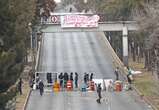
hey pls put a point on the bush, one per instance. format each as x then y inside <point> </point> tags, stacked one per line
<point>5,97</point>
<point>11,76</point>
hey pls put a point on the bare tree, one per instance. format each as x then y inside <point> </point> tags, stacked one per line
<point>148,19</point>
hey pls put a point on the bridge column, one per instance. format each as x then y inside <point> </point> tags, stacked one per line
<point>125,45</point>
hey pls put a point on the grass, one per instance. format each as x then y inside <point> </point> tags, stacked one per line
<point>146,83</point>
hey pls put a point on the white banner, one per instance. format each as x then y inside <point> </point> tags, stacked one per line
<point>69,21</point>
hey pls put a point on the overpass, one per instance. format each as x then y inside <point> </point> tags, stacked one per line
<point>102,26</point>
<point>54,24</point>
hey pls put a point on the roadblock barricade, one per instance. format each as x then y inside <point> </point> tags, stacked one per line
<point>91,86</point>
<point>56,87</point>
<point>118,86</point>
<point>69,85</point>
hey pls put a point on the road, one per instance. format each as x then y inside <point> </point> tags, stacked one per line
<point>80,52</point>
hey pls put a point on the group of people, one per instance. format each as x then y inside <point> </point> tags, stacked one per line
<point>74,77</point>
<point>36,83</point>
<point>117,73</point>
<point>64,77</point>
<point>40,85</point>
<point>87,78</point>
<point>129,76</point>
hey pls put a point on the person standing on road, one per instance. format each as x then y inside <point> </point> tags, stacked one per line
<point>129,78</point>
<point>99,90</point>
<point>65,79</point>
<point>71,78</point>
<point>85,78</point>
<point>41,87</point>
<point>76,80</point>
<point>20,86</point>
<point>91,77</point>
<point>61,79</point>
<point>37,79</point>
<point>49,77</point>
<point>117,73</point>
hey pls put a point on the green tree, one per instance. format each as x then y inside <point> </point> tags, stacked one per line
<point>15,16</point>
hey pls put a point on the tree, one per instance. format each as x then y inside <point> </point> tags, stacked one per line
<point>146,12</point>
<point>14,18</point>
<point>148,20</point>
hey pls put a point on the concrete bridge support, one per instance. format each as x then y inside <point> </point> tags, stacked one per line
<point>125,45</point>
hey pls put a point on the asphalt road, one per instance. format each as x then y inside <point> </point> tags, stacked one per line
<point>79,52</point>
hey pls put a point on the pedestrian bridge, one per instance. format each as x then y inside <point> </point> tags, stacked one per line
<point>102,26</point>
<point>57,23</point>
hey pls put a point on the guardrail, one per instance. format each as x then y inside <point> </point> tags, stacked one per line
<point>116,61</point>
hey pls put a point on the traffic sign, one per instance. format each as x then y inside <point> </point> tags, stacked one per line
<point>54,19</point>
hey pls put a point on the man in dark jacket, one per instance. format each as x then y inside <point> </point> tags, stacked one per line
<point>71,76</point>
<point>129,78</point>
<point>65,79</point>
<point>99,89</point>
<point>20,86</point>
<point>76,80</point>
<point>91,77</point>
<point>41,87</point>
<point>116,72</point>
<point>85,78</point>
<point>49,77</point>
<point>61,79</point>
<point>129,82</point>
